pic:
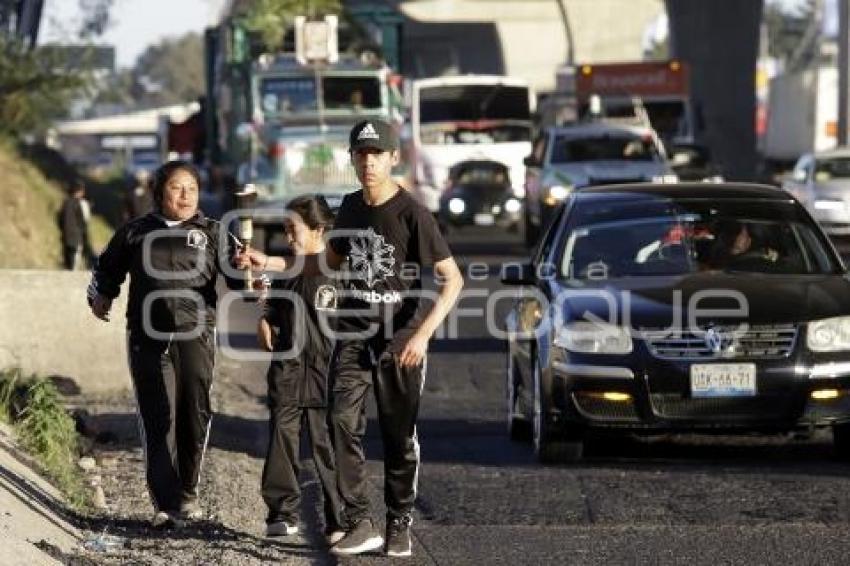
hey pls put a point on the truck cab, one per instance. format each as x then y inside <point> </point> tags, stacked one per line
<point>302,118</point>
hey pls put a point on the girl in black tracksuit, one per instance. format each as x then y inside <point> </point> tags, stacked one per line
<point>302,308</point>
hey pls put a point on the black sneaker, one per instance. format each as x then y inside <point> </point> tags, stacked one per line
<point>361,538</point>
<point>398,536</point>
<point>281,529</point>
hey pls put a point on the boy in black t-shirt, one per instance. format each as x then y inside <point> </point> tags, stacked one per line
<point>381,240</point>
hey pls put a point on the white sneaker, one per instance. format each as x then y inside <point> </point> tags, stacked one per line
<point>360,539</point>
<point>281,529</point>
<point>164,520</point>
<point>335,536</point>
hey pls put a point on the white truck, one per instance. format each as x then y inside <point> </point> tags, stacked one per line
<point>468,117</point>
<point>802,114</point>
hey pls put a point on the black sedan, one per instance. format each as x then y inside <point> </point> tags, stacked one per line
<point>479,193</point>
<point>692,307</point>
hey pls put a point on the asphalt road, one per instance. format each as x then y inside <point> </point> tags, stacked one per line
<point>484,499</point>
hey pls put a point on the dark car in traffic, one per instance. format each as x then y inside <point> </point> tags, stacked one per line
<point>663,308</point>
<point>479,193</point>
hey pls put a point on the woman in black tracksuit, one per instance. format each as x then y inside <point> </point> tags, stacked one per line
<point>302,308</point>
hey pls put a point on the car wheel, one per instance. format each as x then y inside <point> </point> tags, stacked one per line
<point>519,428</point>
<point>531,233</point>
<point>841,441</point>
<point>549,446</point>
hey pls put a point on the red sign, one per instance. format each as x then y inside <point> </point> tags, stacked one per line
<point>632,79</point>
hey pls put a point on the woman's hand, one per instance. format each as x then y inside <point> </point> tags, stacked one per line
<point>100,307</point>
<point>250,258</point>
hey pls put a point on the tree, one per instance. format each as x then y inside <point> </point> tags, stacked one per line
<point>271,18</point>
<point>170,72</point>
<point>95,17</point>
<point>36,85</point>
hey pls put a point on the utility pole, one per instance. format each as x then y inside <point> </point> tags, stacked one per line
<point>843,70</point>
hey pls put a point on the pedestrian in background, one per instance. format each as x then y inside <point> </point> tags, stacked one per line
<point>74,227</point>
<point>173,256</point>
<point>139,199</point>
<point>386,232</point>
<point>298,385</point>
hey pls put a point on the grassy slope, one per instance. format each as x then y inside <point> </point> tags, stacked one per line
<point>29,236</point>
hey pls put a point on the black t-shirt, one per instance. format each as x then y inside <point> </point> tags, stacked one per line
<point>385,247</point>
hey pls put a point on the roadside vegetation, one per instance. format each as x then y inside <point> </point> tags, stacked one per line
<point>29,204</point>
<point>45,430</point>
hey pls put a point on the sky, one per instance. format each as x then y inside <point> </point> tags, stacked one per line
<point>135,24</point>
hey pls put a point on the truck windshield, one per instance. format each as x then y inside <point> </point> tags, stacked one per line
<point>297,95</point>
<point>459,103</point>
<point>568,149</point>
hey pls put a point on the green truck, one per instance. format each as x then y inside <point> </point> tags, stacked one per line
<point>283,126</point>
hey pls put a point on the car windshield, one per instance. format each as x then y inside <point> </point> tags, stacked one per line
<point>621,146</point>
<point>617,239</point>
<point>480,175</point>
<point>826,169</point>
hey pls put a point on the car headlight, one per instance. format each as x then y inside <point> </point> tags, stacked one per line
<point>457,206</point>
<point>829,334</point>
<point>512,205</point>
<point>594,338</point>
<point>555,194</point>
<point>668,178</point>
<point>829,204</point>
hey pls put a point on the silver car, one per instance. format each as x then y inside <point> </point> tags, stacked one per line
<point>821,182</point>
<point>587,154</point>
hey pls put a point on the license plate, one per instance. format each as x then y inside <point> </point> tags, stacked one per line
<point>483,219</point>
<point>723,380</point>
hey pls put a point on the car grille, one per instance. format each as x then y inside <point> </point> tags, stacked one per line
<point>594,406</point>
<point>762,407</point>
<point>766,341</point>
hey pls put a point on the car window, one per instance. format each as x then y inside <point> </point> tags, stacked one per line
<point>618,147</point>
<point>834,168</point>
<point>675,238</point>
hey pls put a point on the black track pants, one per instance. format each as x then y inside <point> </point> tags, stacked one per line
<point>172,380</point>
<point>281,490</point>
<point>397,392</point>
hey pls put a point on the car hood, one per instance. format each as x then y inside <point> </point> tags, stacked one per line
<point>583,173</point>
<point>838,189</point>
<point>654,301</point>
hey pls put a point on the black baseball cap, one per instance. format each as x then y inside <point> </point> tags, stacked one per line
<point>376,134</point>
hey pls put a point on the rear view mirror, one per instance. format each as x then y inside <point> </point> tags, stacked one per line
<point>518,274</point>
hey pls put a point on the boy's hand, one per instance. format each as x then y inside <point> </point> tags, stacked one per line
<point>414,351</point>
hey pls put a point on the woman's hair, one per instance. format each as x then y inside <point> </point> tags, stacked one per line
<point>313,210</point>
<point>165,171</point>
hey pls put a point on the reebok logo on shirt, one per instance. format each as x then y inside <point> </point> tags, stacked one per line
<point>375,297</point>
<point>368,132</point>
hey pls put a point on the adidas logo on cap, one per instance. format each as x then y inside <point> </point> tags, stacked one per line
<point>368,133</point>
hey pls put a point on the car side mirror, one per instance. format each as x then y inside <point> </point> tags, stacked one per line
<point>518,274</point>
<point>529,161</point>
